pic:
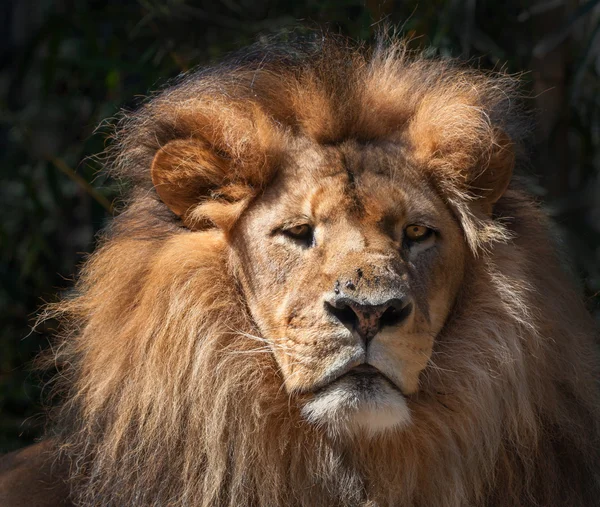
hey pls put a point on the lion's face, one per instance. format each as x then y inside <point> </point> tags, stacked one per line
<point>349,221</point>
<point>350,264</point>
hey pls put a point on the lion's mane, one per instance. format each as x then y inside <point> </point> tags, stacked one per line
<point>171,396</point>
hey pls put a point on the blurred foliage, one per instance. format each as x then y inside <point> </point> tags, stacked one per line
<point>67,66</point>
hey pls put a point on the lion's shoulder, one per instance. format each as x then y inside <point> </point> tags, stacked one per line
<point>30,477</point>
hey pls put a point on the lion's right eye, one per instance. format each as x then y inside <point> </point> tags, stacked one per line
<point>416,233</point>
<point>301,232</point>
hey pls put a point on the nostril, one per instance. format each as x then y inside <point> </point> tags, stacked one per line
<point>395,313</point>
<point>368,319</point>
<point>343,313</point>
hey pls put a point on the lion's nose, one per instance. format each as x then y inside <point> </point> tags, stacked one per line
<point>368,319</point>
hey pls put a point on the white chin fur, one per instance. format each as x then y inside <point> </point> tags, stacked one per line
<point>356,404</point>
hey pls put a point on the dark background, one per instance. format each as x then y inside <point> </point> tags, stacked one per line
<point>68,66</point>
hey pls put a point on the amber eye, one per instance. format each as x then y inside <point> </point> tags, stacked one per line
<point>301,232</point>
<point>417,232</point>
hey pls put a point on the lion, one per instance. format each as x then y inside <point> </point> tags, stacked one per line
<point>325,288</point>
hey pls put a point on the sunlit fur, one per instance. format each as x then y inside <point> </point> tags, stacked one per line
<point>172,396</point>
<point>343,407</point>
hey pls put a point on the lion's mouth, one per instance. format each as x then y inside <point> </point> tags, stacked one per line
<point>362,398</point>
<point>365,375</point>
<point>367,371</point>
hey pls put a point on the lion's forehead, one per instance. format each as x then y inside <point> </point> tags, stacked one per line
<point>369,182</point>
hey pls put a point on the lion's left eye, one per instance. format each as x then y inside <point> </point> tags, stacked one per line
<point>301,232</point>
<point>417,233</point>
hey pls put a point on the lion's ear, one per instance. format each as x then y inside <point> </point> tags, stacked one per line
<point>463,150</point>
<point>480,170</point>
<point>183,171</point>
<point>489,181</point>
<point>195,182</point>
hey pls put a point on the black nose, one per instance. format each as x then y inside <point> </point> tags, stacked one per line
<point>368,319</point>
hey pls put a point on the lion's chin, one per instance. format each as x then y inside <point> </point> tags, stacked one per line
<point>358,403</point>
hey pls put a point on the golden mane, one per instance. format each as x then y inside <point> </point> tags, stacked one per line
<point>173,398</point>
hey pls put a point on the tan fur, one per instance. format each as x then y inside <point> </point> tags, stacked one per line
<point>178,387</point>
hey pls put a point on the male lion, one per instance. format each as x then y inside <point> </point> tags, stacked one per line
<point>324,291</point>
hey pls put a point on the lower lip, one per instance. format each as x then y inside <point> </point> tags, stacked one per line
<point>371,371</point>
